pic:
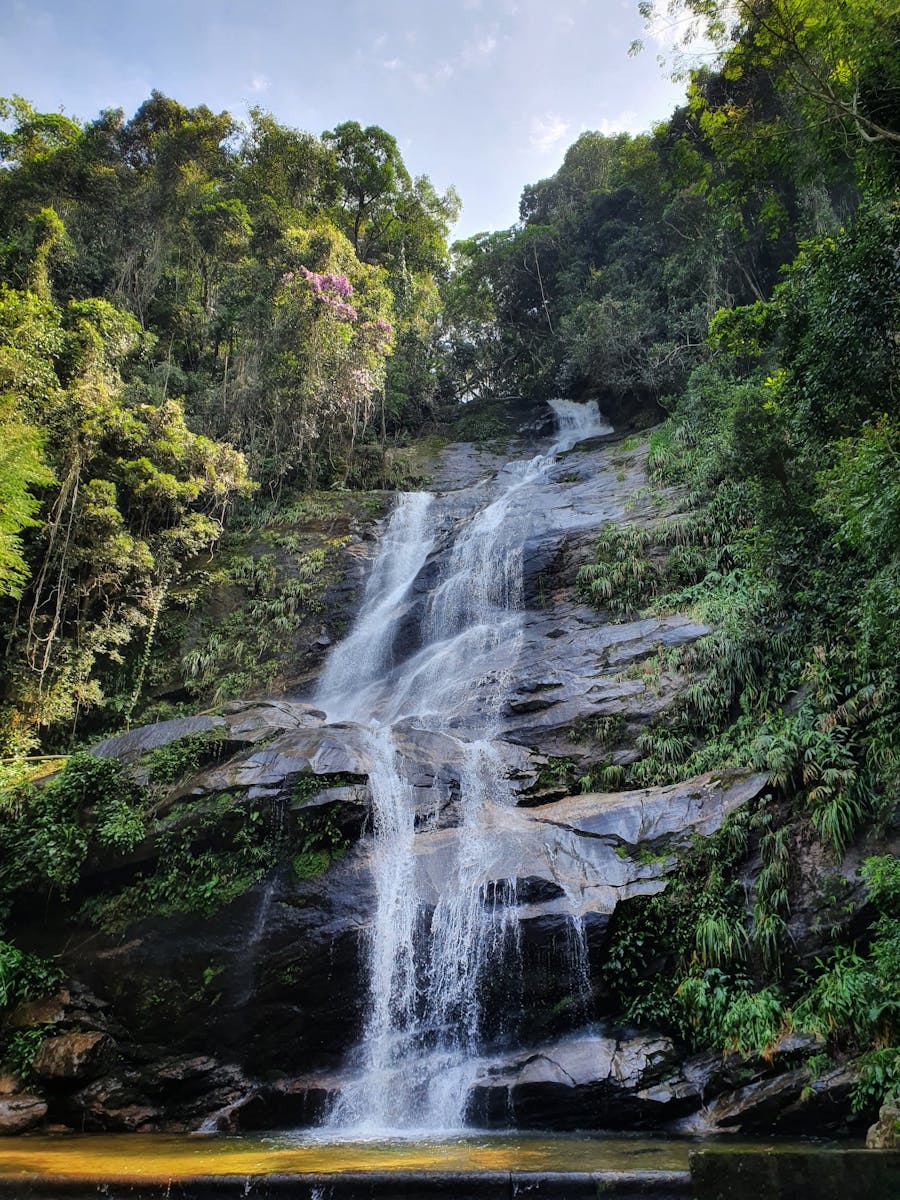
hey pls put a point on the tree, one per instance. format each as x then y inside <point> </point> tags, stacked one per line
<point>22,468</point>
<point>838,59</point>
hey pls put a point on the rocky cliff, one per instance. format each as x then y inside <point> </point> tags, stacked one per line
<point>215,970</point>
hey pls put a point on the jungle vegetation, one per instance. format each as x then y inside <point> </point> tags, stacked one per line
<point>194,314</point>
<point>735,275</point>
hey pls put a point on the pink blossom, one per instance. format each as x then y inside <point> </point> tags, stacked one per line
<point>329,285</point>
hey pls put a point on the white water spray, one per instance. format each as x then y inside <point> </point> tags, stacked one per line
<point>419,1050</point>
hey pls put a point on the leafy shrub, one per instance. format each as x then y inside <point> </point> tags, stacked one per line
<point>21,1049</point>
<point>167,764</point>
<point>840,998</point>
<point>46,832</point>
<point>24,976</point>
<point>877,1080</point>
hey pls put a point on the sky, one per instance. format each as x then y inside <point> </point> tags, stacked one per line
<point>485,95</point>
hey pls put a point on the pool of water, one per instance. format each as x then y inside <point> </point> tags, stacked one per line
<point>155,1156</point>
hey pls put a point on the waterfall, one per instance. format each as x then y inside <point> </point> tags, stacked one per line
<point>420,1043</point>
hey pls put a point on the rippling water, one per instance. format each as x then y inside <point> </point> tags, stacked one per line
<point>163,1156</point>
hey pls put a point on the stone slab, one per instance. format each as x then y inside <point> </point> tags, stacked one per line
<point>780,1175</point>
<point>394,1185</point>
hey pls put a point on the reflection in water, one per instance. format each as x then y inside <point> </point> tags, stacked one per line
<point>162,1156</point>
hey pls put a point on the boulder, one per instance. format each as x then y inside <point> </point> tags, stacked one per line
<point>49,1011</point>
<point>115,1104</point>
<point>20,1111</point>
<point>788,1102</point>
<point>242,721</point>
<point>177,1093</point>
<point>73,1056</point>
<point>129,747</point>
<point>885,1133</point>
<point>586,1081</point>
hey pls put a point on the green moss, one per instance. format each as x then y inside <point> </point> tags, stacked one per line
<point>184,756</point>
<point>210,853</point>
<point>309,786</point>
<point>310,863</point>
<point>482,421</point>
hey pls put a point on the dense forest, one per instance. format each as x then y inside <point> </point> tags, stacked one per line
<point>194,314</point>
<point>202,320</point>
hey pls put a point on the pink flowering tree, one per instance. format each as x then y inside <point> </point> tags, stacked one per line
<point>334,314</point>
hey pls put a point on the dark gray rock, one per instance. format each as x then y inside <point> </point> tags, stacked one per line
<point>130,746</point>
<point>789,1102</point>
<point>588,1081</point>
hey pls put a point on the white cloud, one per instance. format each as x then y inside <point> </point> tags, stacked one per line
<point>425,81</point>
<point>259,83</point>
<point>624,122</point>
<point>547,133</point>
<point>480,48</point>
<point>391,64</point>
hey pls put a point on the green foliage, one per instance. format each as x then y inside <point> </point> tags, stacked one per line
<point>720,938</point>
<point>278,581</point>
<point>307,787</point>
<point>46,831</point>
<point>623,578</point>
<point>22,468</point>
<point>841,997</point>
<point>878,1079</point>
<point>24,976</point>
<point>310,863</point>
<point>167,764</point>
<point>20,1051</point>
<point>209,856</point>
<point>697,929</point>
<point>184,302</point>
<point>722,1013</point>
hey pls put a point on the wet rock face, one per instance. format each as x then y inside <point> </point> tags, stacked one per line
<point>175,1093</point>
<point>645,1081</point>
<point>577,1082</point>
<point>286,958</point>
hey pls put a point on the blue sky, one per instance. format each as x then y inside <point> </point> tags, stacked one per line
<point>483,94</point>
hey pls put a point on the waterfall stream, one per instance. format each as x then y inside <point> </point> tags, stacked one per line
<point>447,673</point>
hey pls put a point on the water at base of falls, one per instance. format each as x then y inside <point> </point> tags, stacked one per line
<point>421,1042</point>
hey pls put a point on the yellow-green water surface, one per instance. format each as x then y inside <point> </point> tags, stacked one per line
<point>155,1156</point>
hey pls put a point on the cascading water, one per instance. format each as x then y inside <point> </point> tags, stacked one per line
<point>420,1043</point>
